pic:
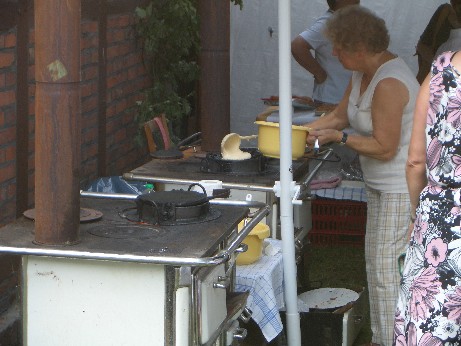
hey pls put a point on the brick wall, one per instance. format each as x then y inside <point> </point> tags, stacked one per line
<point>126,77</point>
<point>7,126</point>
<point>90,96</point>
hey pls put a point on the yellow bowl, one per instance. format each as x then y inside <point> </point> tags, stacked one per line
<point>254,240</point>
<point>269,139</point>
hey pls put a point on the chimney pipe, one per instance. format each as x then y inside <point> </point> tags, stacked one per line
<point>57,112</point>
<point>214,85</point>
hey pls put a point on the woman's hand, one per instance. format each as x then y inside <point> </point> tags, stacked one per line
<point>324,136</point>
<point>320,77</point>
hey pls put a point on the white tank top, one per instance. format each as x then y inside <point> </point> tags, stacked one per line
<point>384,176</point>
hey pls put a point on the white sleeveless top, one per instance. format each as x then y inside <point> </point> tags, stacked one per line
<point>384,176</point>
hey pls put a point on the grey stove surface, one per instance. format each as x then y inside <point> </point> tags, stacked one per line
<point>113,234</point>
<point>189,169</point>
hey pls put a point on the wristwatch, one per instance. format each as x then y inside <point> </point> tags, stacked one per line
<point>344,139</point>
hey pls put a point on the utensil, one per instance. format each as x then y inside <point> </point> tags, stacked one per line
<point>316,146</point>
<point>175,152</point>
<point>269,139</point>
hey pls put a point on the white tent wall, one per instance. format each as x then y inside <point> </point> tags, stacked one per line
<point>254,52</point>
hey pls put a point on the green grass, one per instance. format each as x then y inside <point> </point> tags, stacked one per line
<point>336,266</point>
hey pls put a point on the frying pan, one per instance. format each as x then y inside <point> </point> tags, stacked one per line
<point>175,152</point>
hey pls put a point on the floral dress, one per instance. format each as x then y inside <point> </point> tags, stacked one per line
<point>429,307</point>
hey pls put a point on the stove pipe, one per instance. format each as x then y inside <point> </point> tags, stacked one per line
<point>214,84</point>
<point>57,112</point>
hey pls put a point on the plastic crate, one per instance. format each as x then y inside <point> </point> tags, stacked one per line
<point>338,222</point>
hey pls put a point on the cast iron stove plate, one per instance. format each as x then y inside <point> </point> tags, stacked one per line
<point>124,231</point>
<point>131,214</point>
<point>255,165</point>
<point>86,215</point>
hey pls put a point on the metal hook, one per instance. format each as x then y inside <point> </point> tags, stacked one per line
<point>271,31</point>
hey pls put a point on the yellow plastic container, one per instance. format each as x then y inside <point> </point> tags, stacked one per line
<point>269,139</point>
<point>254,240</point>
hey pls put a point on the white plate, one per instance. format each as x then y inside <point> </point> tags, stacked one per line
<point>328,298</point>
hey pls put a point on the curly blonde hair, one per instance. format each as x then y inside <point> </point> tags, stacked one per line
<point>355,27</point>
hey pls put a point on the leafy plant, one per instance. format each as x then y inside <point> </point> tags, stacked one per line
<point>238,2</point>
<point>170,35</point>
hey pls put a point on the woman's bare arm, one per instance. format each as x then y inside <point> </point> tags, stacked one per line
<point>416,162</point>
<point>386,119</point>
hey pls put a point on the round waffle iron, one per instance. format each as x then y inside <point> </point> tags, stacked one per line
<point>176,207</point>
<point>214,163</point>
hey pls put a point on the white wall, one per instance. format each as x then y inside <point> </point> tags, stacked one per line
<point>254,53</point>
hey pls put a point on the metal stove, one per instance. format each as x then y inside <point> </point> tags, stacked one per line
<point>258,180</point>
<point>133,280</point>
<point>255,177</point>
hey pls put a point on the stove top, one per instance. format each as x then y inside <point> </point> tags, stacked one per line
<point>191,168</point>
<point>113,234</point>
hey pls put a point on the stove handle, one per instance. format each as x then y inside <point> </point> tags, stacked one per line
<point>242,248</point>
<point>245,316</point>
<point>240,334</point>
<point>235,333</point>
<point>224,282</point>
<point>305,181</point>
<point>263,210</point>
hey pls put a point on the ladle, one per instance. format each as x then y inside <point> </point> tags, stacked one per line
<point>230,147</point>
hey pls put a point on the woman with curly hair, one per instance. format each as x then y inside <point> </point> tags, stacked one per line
<point>378,104</point>
<point>429,306</point>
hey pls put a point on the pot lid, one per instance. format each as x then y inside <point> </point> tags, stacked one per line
<point>328,298</point>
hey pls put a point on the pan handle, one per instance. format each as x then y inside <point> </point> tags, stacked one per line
<point>191,139</point>
<point>217,193</point>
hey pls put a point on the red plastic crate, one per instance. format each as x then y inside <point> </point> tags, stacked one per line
<point>338,222</point>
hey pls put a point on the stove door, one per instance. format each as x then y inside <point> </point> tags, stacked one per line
<point>76,302</point>
<point>212,291</point>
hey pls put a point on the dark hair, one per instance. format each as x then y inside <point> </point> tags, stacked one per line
<point>331,4</point>
<point>354,27</point>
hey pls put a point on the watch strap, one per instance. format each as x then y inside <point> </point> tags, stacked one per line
<point>343,139</point>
